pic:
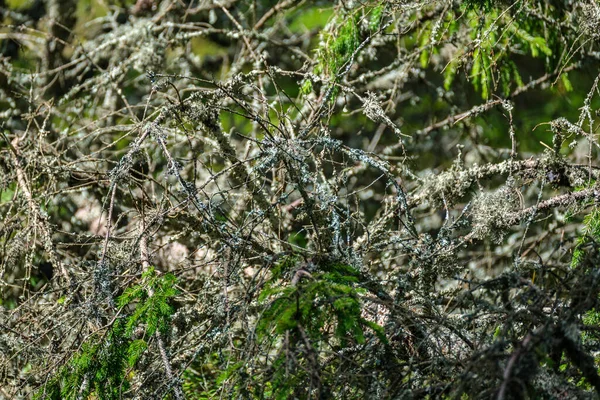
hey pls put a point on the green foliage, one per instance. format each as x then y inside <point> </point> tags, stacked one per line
<point>450,278</point>
<point>298,239</point>
<point>323,307</point>
<point>325,297</point>
<point>99,368</point>
<point>7,193</point>
<point>566,82</point>
<point>306,87</point>
<point>320,312</point>
<point>153,310</point>
<point>591,319</point>
<point>482,5</point>
<point>103,367</point>
<point>494,33</point>
<point>376,17</point>
<point>590,233</point>
<point>200,379</point>
<point>339,44</point>
<point>342,37</point>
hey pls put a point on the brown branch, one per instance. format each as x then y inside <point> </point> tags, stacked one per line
<point>34,208</point>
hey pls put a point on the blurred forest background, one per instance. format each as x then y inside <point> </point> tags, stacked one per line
<point>278,199</point>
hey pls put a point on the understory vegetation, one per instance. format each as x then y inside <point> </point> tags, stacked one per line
<point>285,199</point>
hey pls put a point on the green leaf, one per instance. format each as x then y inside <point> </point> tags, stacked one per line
<point>375,20</point>
<point>424,58</point>
<point>135,350</point>
<point>566,82</point>
<point>306,87</point>
<point>229,372</point>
